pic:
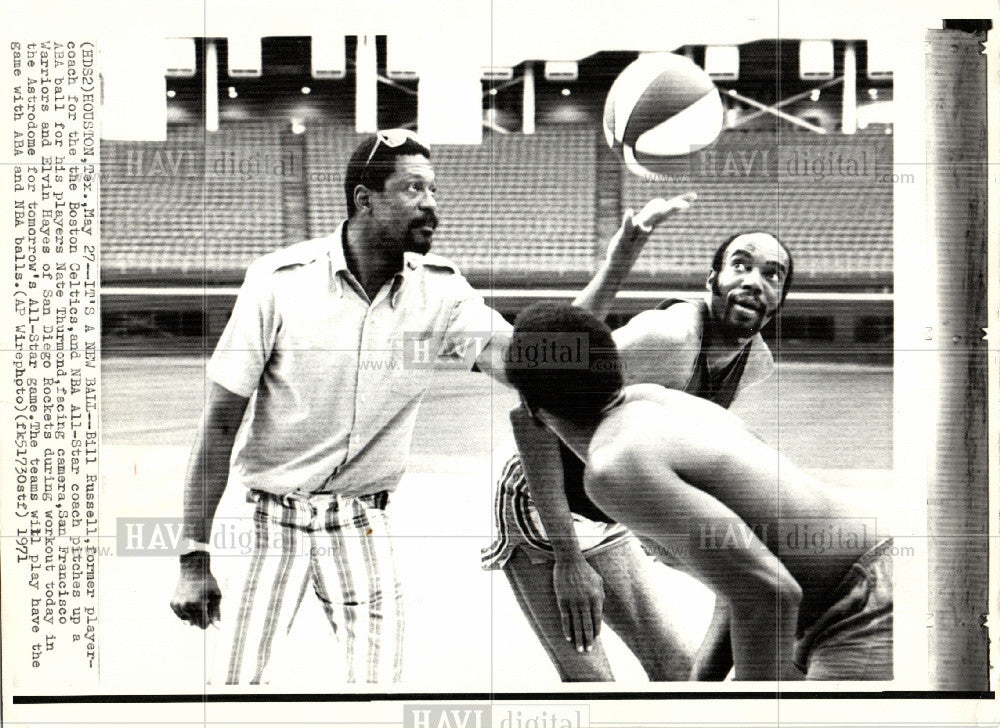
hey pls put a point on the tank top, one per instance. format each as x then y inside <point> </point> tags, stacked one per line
<point>719,387</point>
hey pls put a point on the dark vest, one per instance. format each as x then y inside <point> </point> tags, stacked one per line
<point>719,387</point>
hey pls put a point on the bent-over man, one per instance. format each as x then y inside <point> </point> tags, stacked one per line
<point>667,464</point>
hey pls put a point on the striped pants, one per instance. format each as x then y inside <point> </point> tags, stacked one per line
<point>341,548</point>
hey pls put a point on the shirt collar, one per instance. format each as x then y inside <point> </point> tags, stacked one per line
<point>396,290</point>
<point>338,262</point>
<point>411,264</point>
<point>339,269</point>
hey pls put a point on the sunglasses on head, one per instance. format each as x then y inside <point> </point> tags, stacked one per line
<point>393,138</point>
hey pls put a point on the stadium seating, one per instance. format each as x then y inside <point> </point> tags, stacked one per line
<point>519,206</point>
<point>327,149</point>
<point>198,207</point>
<point>516,210</point>
<point>510,207</point>
<point>838,223</point>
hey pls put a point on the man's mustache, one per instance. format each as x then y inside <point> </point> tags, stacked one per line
<point>428,220</point>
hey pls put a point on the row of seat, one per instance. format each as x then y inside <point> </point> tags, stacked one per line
<point>511,207</point>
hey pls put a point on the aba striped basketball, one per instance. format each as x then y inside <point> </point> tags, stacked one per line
<point>660,107</point>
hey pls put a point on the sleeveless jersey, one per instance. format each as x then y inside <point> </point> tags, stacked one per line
<point>719,387</point>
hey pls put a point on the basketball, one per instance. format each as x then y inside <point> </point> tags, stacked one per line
<point>661,107</point>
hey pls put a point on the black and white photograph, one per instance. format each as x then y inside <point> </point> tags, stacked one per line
<point>500,364</point>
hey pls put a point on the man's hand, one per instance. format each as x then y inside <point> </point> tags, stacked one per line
<point>623,249</point>
<point>580,597</point>
<point>637,227</point>
<point>197,597</point>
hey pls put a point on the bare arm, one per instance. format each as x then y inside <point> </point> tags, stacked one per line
<point>632,480</point>
<point>599,295</point>
<point>624,249</point>
<point>197,596</point>
<point>208,468</point>
<point>579,588</point>
<point>660,347</point>
<point>491,359</point>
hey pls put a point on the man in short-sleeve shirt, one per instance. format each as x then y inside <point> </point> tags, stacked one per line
<point>313,357</point>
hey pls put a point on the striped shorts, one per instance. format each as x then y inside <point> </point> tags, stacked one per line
<point>516,524</point>
<point>341,548</point>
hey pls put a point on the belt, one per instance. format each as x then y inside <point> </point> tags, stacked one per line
<point>377,500</point>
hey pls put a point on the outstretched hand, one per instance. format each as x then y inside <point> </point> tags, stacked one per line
<point>637,226</point>
<point>657,210</point>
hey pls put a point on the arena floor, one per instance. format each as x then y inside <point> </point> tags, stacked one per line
<point>465,632</point>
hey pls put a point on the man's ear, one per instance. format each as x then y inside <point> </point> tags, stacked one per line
<point>711,279</point>
<point>362,197</point>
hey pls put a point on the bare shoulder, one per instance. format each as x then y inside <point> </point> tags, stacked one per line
<point>673,404</point>
<point>634,431</point>
<point>678,324</point>
<point>661,346</point>
<point>659,414</point>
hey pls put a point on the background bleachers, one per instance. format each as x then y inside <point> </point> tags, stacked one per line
<point>327,149</point>
<point>195,209</point>
<point>510,206</point>
<point>838,224</point>
<point>519,205</point>
<point>182,210</point>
